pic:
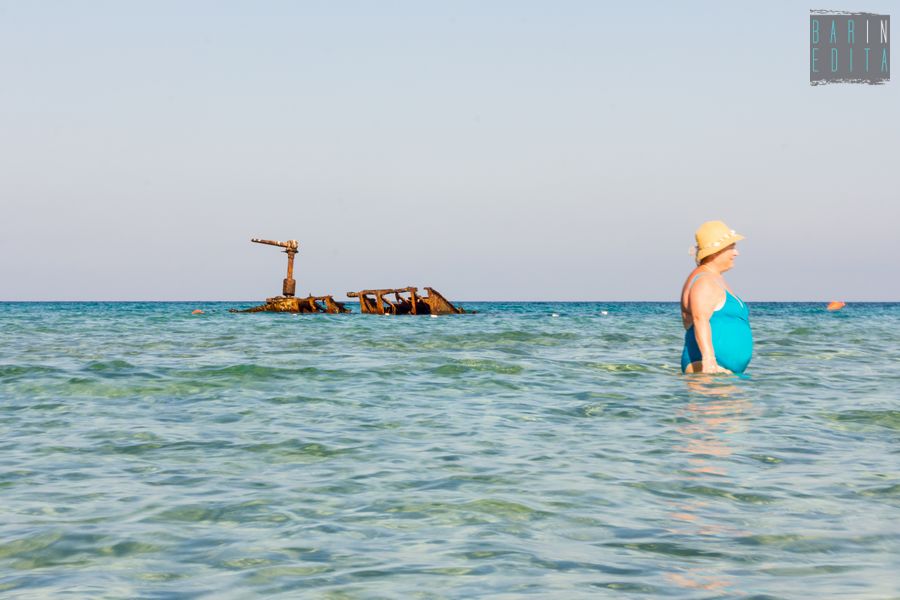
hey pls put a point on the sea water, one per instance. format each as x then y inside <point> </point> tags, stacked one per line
<point>532,449</point>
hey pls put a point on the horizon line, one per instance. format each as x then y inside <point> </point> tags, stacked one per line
<point>354,301</point>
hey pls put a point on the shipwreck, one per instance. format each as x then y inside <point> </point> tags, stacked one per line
<point>387,301</point>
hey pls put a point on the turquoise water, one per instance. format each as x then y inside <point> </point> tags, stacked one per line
<point>149,453</point>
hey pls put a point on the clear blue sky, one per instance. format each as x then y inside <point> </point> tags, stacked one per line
<point>494,150</point>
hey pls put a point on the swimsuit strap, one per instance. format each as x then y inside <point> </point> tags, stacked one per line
<point>697,276</point>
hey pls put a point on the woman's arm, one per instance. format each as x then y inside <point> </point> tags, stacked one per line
<point>705,295</point>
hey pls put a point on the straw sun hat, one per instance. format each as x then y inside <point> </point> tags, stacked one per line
<point>712,237</point>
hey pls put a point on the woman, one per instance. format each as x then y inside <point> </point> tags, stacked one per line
<point>718,337</point>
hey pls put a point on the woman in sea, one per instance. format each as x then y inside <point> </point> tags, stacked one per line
<point>717,337</point>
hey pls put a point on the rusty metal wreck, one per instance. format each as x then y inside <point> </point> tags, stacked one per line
<point>406,301</point>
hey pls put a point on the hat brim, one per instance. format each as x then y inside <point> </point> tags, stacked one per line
<point>722,245</point>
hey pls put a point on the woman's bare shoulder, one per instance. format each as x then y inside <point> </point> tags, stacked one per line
<point>706,296</point>
<point>701,288</point>
<point>705,284</point>
<point>698,274</point>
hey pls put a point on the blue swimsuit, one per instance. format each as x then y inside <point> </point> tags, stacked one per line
<point>731,336</point>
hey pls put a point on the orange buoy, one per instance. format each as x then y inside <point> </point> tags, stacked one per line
<point>836,305</point>
<point>200,312</point>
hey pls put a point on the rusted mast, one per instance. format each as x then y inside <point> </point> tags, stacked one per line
<point>289,286</point>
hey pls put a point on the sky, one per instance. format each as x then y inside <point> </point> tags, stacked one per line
<point>505,150</point>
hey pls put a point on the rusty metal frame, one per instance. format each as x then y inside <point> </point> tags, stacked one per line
<point>407,301</point>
